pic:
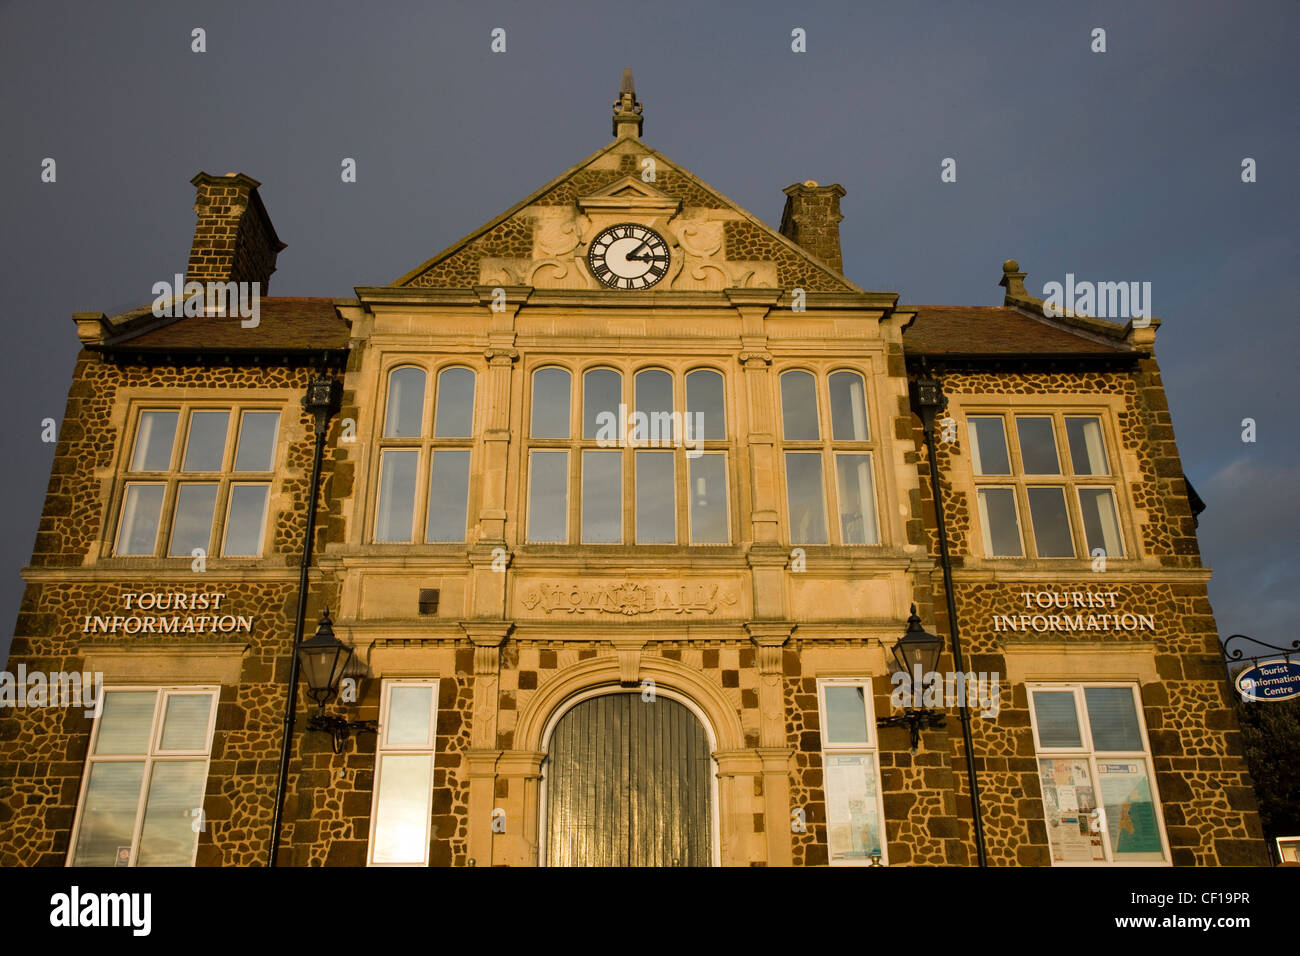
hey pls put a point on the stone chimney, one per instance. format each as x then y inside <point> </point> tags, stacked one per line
<point>812,219</point>
<point>234,240</point>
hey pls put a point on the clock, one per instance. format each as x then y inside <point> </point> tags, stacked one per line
<point>628,256</point>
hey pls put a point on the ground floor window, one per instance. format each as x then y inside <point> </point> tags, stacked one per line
<point>851,771</point>
<point>1094,764</point>
<point>403,802</point>
<point>141,800</point>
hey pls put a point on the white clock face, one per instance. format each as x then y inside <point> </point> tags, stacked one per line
<point>628,256</point>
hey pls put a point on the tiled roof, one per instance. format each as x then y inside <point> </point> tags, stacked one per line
<point>286,323</point>
<point>995,330</point>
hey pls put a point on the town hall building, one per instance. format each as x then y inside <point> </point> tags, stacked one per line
<point>617,547</point>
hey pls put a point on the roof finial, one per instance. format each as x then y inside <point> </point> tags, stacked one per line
<point>627,111</point>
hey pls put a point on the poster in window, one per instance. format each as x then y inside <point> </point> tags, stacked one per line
<point>1130,810</point>
<point>1070,810</point>
<point>852,814</point>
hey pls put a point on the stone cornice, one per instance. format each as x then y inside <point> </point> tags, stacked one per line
<point>1080,577</point>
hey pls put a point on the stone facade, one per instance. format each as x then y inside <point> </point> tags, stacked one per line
<point>1204,786</point>
<point>747,633</point>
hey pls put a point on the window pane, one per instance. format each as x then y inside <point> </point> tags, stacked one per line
<point>141,509</point>
<point>551,403</point>
<point>602,497</point>
<point>1113,718</point>
<point>656,498</point>
<point>205,446</point>
<point>455,418</point>
<point>405,415</point>
<point>1051,523</point>
<point>396,495</point>
<point>848,407</point>
<point>175,792</point>
<point>1100,522</point>
<point>988,447</point>
<point>108,812</point>
<point>401,830</point>
<point>448,496</point>
<point>1000,523</point>
<point>153,441</point>
<point>846,715</point>
<point>246,521</point>
<point>192,524</point>
<point>852,807</point>
<point>1130,809</point>
<point>125,723</point>
<point>799,406</point>
<point>857,499</point>
<point>654,400</point>
<point>1087,449</point>
<point>708,494</point>
<point>256,441</point>
<point>1038,446</point>
<point>602,393</point>
<point>185,722</point>
<point>548,496</point>
<point>1058,724</point>
<point>803,481</point>
<point>705,398</point>
<point>409,710</point>
<point>1070,806</point>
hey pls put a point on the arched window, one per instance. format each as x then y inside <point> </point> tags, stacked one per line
<point>423,479</point>
<point>809,456</point>
<point>602,394</point>
<point>404,417</point>
<point>631,461</point>
<point>706,405</point>
<point>799,406</point>
<point>551,390</point>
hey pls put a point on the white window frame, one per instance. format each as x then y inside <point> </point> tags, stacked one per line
<point>868,747</point>
<point>153,755</point>
<point>174,477</point>
<point>1019,482</point>
<point>1089,752</point>
<point>382,749</point>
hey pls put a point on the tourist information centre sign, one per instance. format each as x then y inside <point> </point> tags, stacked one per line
<point>1270,680</point>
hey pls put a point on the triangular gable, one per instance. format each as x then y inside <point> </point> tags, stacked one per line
<point>538,240</point>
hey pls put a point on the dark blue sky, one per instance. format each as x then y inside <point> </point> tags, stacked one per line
<point>1116,166</point>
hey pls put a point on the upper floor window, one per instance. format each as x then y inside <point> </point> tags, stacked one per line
<point>645,464</point>
<point>1063,505</point>
<point>813,451</point>
<point>423,471</point>
<point>142,792</point>
<point>198,478</point>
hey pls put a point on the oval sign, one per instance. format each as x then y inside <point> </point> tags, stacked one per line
<point>1270,680</point>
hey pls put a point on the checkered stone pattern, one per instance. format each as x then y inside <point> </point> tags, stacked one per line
<point>920,821</point>
<point>526,666</point>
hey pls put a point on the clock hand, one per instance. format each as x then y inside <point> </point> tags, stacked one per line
<point>633,254</point>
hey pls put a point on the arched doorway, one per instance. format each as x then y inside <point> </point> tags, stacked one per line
<point>628,782</point>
